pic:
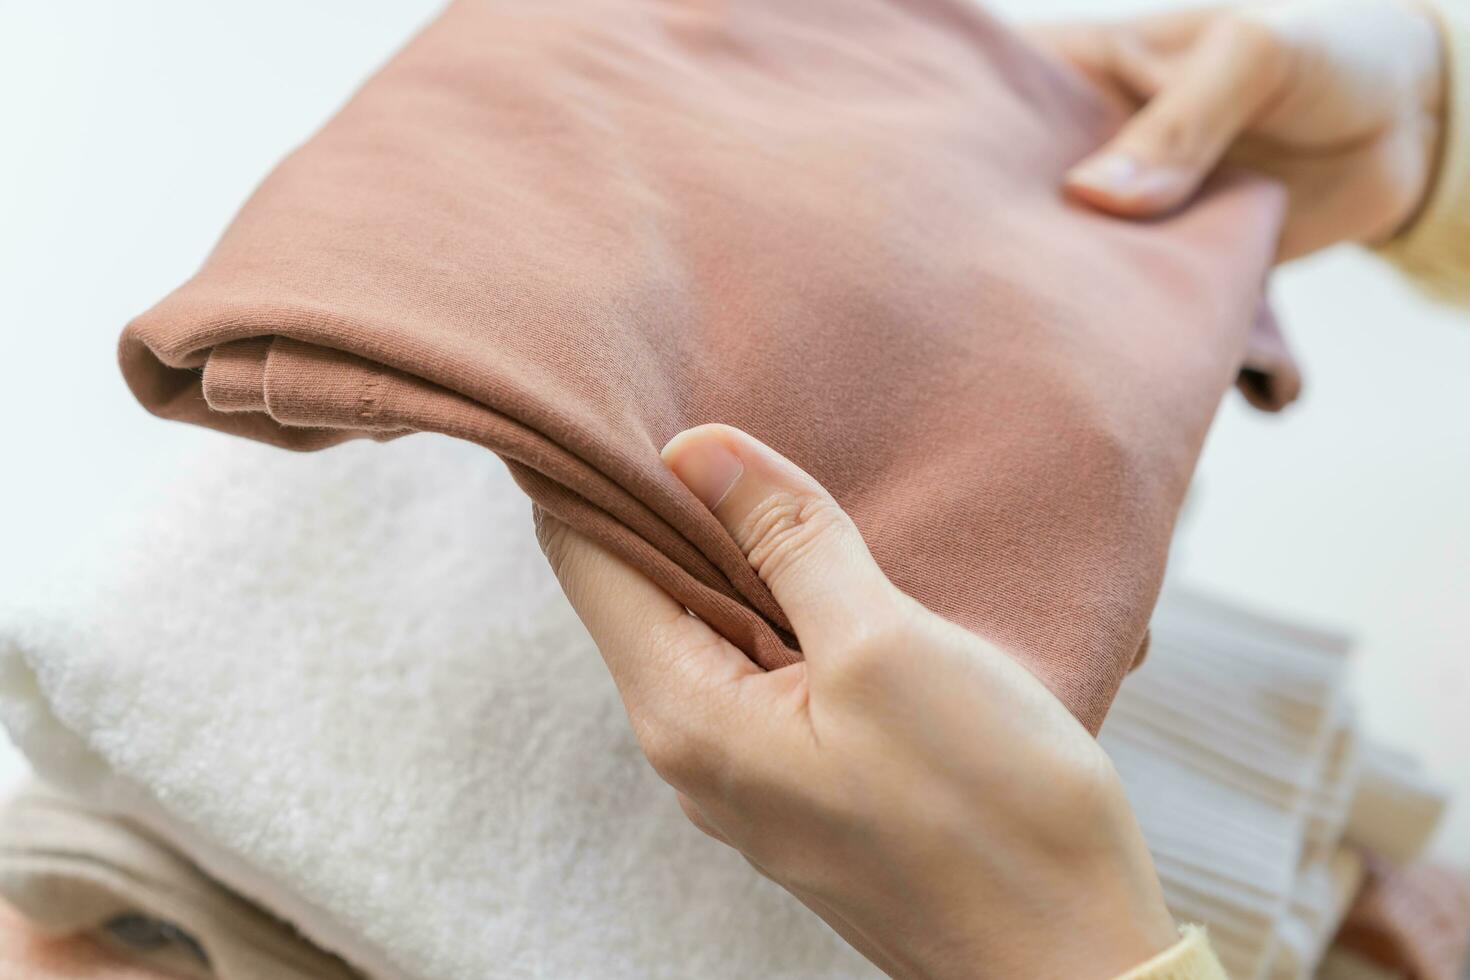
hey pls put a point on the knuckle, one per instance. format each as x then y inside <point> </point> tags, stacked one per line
<point>557,542</point>
<point>875,647</point>
<point>784,528</point>
<point>688,761</point>
<point>573,560</point>
<point>669,754</point>
<point>696,816</point>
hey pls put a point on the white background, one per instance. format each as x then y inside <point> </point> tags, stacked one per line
<point>130,133</point>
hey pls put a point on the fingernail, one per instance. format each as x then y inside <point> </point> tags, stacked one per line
<point>1123,177</point>
<point>1114,172</point>
<point>705,466</point>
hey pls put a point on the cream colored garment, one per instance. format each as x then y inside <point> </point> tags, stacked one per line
<point>1435,250</point>
<point>72,870</point>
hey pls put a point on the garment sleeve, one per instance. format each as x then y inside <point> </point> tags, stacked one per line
<point>1435,249</point>
<point>1191,958</point>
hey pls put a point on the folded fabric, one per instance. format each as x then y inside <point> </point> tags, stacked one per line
<point>568,231</point>
<point>1396,806</point>
<point>1325,889</point>
<point>1235,745</point>
<point>1412,920</point>
<point>347,687</point>
<point>28,954</point>
<point>1342,964</point>
<point>72,870</point>
<point>1412,917</point>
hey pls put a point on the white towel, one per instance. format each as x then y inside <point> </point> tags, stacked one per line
<point>347,685</point>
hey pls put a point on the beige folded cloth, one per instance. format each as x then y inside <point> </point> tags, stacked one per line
<point>72,870</point>
<point>1396,806</point>
<point>28,954</point>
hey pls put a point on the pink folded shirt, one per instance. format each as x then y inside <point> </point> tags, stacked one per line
<point>568,230</point>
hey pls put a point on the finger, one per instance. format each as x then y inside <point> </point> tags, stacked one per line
<point>666,664</point>
<point>1114,58</point>
<point>800,542</point>
<point>1162,155</point>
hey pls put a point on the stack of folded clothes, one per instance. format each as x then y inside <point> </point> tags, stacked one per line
<point>337,702</point>
<point>332,714</point>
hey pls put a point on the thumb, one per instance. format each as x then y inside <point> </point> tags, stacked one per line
<point>1162,155</point>
<point>801,543</point>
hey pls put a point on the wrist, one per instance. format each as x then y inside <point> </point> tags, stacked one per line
<point>1115,916</point>
<point>1085,902</point>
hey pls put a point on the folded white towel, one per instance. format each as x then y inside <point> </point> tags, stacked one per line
<point>347,685</point>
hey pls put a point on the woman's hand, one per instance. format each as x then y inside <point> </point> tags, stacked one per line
<point>1341,99</point>
<point>908,782</point>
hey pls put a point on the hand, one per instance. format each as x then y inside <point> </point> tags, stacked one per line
<point>909,782</point>
<point>1340,100</point>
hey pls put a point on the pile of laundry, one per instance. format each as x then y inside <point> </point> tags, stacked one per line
<point>330,716</point>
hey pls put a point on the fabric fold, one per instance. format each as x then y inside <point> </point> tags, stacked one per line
<point>74,870</point>
<point>567,232</point>
<point>26,953</point>
<point>347,688</point>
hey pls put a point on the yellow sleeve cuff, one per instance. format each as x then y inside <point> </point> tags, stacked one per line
<point>1191,958</point>
<point>1435,249</point>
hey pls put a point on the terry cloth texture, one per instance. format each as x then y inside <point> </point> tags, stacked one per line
<point>347,686</point>
<point>72,870</point>
<point>568,231</point>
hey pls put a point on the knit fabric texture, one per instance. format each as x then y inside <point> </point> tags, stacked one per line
<point>1188,959</point>
<point>569,231</point>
